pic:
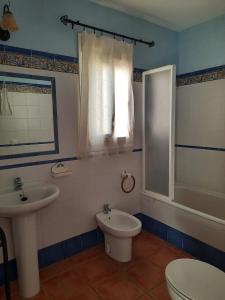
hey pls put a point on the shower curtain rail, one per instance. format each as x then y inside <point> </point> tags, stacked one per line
<point>65,20</point>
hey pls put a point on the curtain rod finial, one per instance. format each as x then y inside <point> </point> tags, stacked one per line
<point>64,19</point>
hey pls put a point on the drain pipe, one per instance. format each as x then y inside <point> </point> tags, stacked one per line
<point>3,244</point>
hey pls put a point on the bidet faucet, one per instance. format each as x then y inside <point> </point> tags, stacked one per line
<point>106,208</point>
<point>18,184</point>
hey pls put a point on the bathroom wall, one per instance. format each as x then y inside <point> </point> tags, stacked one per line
<point>41,29</point>
<point>202,46</point>
<point>200,131</point>
<point>200,107</point>
<point>93,181</point>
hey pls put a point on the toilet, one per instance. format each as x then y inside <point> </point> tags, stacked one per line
<point>119,228</point>
<point>190,279</point>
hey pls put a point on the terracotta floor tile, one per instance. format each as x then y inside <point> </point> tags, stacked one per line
<point>146,274</point>
<point>179,252</point>
<point>163,257</point>
<point>123,266</point>
<point>97,269</point>
<point>160,292</point>
<point>87,255</point>
<point>64,286</point>
<point>13,288</point>
<point>92,275</point>
<point>148,239</point>
<point>145,245</point>
<point>145,297</point>
<point>118,287</point>
<point>55,269</point>
<point>86,294</point>
<point>40,296</point>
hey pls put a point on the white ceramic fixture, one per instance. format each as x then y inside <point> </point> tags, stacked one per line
<point>23,214</point>
<point>190,279</point>
<point>119,228</point>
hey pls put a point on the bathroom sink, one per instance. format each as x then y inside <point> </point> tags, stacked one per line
<point>38,196</point>
<point>22,206</point>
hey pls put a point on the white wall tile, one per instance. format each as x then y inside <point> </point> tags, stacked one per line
<point>93,181</point>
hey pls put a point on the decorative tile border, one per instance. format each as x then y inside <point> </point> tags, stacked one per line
<point>205,75</point>
<point>26,58</point>
<point>20,57</point>
<point>137,75</point>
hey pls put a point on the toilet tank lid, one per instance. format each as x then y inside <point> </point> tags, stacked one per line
<point>196,279</point>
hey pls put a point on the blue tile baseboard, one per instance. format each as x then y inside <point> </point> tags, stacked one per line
<point>185,242</point>
<point>77,244</point>
<point>59,251</point>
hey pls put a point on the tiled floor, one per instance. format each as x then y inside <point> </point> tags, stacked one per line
<point>91,275</point>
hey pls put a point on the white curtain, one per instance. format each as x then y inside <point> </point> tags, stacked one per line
<point>106,105</point>
<point>5,104</point>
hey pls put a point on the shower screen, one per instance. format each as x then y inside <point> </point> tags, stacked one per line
<point>158,135</point>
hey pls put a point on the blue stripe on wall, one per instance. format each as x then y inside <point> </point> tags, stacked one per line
<point>26,144</point>
<point>36,163</point>
<point>50,161</point>
<point>200,147</point>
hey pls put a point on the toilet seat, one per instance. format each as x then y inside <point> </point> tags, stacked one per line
<point>192,279</point>
<point>178,294</point>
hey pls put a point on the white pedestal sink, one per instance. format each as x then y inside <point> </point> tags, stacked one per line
<point>23,214</point>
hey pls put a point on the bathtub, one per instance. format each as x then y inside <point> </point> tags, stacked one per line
<point>209,204</point>
<point>196,212</point>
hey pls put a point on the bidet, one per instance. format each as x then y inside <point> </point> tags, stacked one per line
<point>119,228</point>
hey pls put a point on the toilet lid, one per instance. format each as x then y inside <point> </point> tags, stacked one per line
<point>196,280</point>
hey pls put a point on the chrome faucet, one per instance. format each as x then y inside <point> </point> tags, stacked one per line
<point>18,184</point>
<point>106,208</point>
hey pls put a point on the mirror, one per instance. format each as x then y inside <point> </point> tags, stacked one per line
<point>28,115</point>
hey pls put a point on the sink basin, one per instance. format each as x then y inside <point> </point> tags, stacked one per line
<point>37,197</point>
<point>24,226</point>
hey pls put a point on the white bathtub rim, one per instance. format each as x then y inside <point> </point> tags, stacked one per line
<point>200,190</point>
<point>186,208</point>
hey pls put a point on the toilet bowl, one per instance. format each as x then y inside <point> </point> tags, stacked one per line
<point>119,228</point>
<point>190,279</point>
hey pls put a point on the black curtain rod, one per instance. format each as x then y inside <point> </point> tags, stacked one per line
<point>65,20</point>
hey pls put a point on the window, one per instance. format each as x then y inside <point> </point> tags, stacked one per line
<point>106,95</point>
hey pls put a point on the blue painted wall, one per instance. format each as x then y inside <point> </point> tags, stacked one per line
<point>202,46</point>
<point>40,29</point>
